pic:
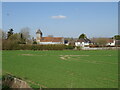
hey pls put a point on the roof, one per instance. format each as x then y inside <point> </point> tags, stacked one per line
<point>38,31</point>
<point>83,40</point>
<point>51,39</point>
<point>109,40</point>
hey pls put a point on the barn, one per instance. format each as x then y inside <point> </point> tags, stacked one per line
<point>48,40</point>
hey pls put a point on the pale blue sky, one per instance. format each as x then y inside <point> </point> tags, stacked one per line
<point>0,15</point>
<point>95,19</point>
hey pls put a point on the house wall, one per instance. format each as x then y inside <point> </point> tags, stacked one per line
<point>111,44</point>
<point>50,42</point>
<point>86,43</point>
<point>37,40</point>
<point>63,41</point>
<point>78,44</point>
<point>81,44</point>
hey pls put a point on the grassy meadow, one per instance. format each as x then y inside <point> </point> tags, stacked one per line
<point>64,69</point>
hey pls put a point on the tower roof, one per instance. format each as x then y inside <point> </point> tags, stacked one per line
<point>38,31</point>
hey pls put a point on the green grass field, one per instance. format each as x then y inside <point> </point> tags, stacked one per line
<point>64,69</point>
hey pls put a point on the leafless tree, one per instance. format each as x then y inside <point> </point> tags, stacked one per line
<point>50,35</point>
<point>3,34</point>
<point>99,41</point>
<point>26,33</point>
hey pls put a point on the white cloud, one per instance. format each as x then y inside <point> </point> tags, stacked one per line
<point>58,17</point>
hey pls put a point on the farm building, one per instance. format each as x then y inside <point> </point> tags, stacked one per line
<point>110,42</point>
<point>117,42</point>
<point>48,40</point>
<point>82,42</point>
<point>104,41</point>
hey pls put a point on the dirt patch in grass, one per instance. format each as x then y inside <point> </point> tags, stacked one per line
<point>77,57</point>
<point>27,54</point>
<point>30,55</point>
<point>74,55</point>
<point>65,57</point>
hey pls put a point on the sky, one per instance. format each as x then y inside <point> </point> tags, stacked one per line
<point>60,0</point>
<point>0,15</point>
<point>62,19</point>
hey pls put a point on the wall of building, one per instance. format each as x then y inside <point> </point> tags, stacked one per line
<point>111,44</point>
<point>50,43</point>
<point>81,44</point>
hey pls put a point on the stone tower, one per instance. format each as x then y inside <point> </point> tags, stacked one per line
<point>38,35</point>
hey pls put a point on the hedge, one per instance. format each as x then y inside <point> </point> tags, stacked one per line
<point>15,46</point>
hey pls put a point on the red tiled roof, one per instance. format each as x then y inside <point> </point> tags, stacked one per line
<point>109,40</point>
<point>51,39</point>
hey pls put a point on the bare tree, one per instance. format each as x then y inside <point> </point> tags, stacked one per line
<point>0,40</point>
<point>3,34</point>
<point>100,41</point>
<point>50,35</point>
<point>25,33</point>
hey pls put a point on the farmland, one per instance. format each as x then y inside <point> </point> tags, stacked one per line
<point>64,69</point>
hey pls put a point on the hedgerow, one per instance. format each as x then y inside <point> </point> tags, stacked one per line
<point>14,46</point>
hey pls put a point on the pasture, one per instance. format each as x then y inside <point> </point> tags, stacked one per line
<point>64,69</point>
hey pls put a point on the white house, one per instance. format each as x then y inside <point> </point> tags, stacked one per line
<point>48,40</point>
<point>82,42</point>
<point>110,42</point>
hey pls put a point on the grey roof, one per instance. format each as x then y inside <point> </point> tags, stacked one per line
<point>38,31</point>
<point>84,40</point>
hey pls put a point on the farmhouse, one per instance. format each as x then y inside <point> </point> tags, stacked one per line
<point>48,40</point>
<point>82,42</point>
<point>111,42</point>
<point>117,42</point>
<point>105,41</point>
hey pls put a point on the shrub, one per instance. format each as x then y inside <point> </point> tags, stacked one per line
<point>10,45</point>
<point>7,45</point>
<point>78,48</point>
<point>34,42</point>
<point>69,47</point>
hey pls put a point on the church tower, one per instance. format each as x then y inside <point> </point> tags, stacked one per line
<point>38,35</point>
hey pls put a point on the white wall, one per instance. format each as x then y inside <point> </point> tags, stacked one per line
<point>82,44</point>
<point>111,44</point>
<point>50,43</point>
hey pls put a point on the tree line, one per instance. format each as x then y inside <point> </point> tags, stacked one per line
<point>101,41</point>
<point>23,41</point>
<point>22,37</point>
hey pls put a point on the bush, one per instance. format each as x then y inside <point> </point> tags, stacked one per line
<point>12,45</point>
<point>69,47</point>
<point>34,42</point>
<point>78,48</point>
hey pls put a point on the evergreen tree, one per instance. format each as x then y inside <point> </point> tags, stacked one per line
<point>10,33</point>
<point>82,36</point>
